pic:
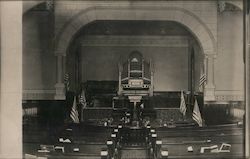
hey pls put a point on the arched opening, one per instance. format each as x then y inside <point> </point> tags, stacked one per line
<point>98,47</point>
<point>195,25</point>
<point>204,37</point>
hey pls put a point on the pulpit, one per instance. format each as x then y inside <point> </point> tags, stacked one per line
<point>135,99</point>
<point>135,82</point>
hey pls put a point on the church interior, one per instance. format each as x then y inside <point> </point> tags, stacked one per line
<point>133,79</point>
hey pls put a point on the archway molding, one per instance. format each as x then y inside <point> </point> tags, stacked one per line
<point>193,23</point>
<point>28,5</point>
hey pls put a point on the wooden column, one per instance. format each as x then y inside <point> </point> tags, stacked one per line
<point>11,79</point>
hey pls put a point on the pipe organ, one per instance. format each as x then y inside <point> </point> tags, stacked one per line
<point>136,76</point>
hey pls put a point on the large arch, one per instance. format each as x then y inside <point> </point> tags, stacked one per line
<point>198,28</point>
<point>193,23</point>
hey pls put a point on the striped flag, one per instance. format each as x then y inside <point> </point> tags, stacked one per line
<point>82,99</point>
<point>202,81</point>
<point>66,81</point>
<point>74,112</point>
<point>83,102</point>
<point>183,107</point>
<point>196,114</point>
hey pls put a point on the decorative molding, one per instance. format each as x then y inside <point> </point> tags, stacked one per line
<point>229,5</point>
<point>229,95</point>
<point>209,93</point>
<point>229,98</point>
<point>134,11</point>
<point>38,94</point>
<point>50,5</point>
<point>145,41</point>
<point>221,6</point>
<point>220,95</point>
<point>59,92</point>
<point>209,55</point>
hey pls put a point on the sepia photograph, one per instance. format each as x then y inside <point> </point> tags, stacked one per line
<point>124,79</point>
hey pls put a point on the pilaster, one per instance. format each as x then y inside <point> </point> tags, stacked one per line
<point>209,93</point>
<point>59,86</point>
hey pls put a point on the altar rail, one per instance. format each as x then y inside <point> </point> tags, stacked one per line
<point>168,114</point>
<point>56,112</point>
<point>97,113</point>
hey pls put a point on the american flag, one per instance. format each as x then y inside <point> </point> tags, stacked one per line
<point>202,81</point>
<point>74,112</point>
<point>82,99</point>
<point>183,107</point>
<point>196,114</point>
<point>66,81</point>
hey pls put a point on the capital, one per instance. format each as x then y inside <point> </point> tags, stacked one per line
<point>211,56</point>
<point>221,6</point>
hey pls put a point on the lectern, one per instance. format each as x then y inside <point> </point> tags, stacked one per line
<point>135,81</point>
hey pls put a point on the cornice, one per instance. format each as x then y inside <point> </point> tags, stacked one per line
<point>38,94</point>
<point>229,95</point>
